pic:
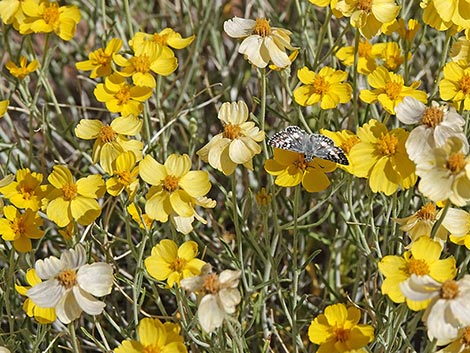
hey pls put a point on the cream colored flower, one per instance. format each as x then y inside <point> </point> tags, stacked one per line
<point>457,222</point>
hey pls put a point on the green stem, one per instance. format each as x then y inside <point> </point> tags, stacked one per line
<point>238,233</point>
<point>295,268</point>
<point>73,337</point>
<point>262,109</point>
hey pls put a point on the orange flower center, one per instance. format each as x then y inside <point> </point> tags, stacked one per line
<point>141,63</point>
<point>211,283</point>
<point>387,144</point>
<point>393,90</point>
<point>124,177</point>
<point>427,212</point>
<point>178,264</point>
<point>262,27</point>
<point>418,267</point>
<point>70,191</point>
<point>67,278</point>
<point>100,58</point>
<point>465,339</point>
<point>365,49</point>
<point>301,163</point>
<point>341,334</point>
<point>364,5</point>
<point>449,290</point>
<point>170,183</point>
<point>432,116</point>
<point>160,39</point>
<point>152,349</point>
<point>26,192</point>
<point>18,226</point>
<point>231,131</point>
<point>107,134</point>
<point>320,85</point>
<point>124,94</point>
<point>51,14</point>
<point>456,162</point>
<point>464,84</point>
<point>349,143</point>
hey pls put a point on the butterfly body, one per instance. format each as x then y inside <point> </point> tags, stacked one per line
<point>293,138</point>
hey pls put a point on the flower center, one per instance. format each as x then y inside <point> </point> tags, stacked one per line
<point>393,90</point>
<point>70,191</point>
<point>456,162</point>
<point>51,14</point>
<point>387,144</point>
<point>178,265</point>
<point>365,49</point>
<point>364,5</point>
<point>465,339</point>
<point>231,131</point>
<point>152,349</point>
<point>18,226</point>
<point>211,283</point>
<point>464,84</point>
<point>341,334</point>
<point>449,290</point>
<point>124,177</point>
<point>262,27</point>
<point>349,143</point>
<point>160,39</point>
<point>427,212</point>
<point>170,183</point>
<point>124,94</point>
<point>100,58</point>
<point>320,85</point>
<point>107,134</point>
<point>301,163</point>
<point>418,267</point>
<point>141,63</point>
<point>26,192</point>
<point>432,116</point>
<point>67,278</point>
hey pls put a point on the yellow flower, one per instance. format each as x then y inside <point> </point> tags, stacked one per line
<point>331,3</point>
<point>154,336</point>
<point>338,330</point>
<point>381,157</point>
<point>237,144</point>
<point>457,221</point>
<point>432,17</point>
<point>42,315</point>
<point>389,89</point>
<point>144,221</point>
<point>291,169</point>
<point>455,11</point>
<point>261,42</point>
<point>325,87</point>
<point>365,59</point>
<point>368,16</point>
<point>345,140</point>
<point>12,12</point>
<point>23,70</point>
<point>455,86</point>
<point>125,175</point>
<point>4,107</point>
<point>100,61</point>
<point>73,200</point>
<point>422,259</point>
<point>110,139</point>
<point>170,263</point>
<point>460,50</point>
<point>175,189</point>
<point>167,38</point>
<point>20,228</point>
<point>121,97</point>
<point>49,17</point>
<point>26,191</point>
<point>407,31</point>
<point>391,55</point>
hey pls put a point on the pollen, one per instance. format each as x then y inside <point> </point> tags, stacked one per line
<point>387,145</point>
<point>464,84</point>
<point>124,94</point>
<point>301,163</point>
<point>262,27</point>
<point>365,5</point>
<point>211,283</point>
<point>26,192</point>
<point>231,131</point>
<point>107,134</point>
<point>365,49</point>
<point>349,143</point>
<point>67,278</point>
<point>428,212</point>
<point>51,14</point>
<point>393,90</point>
<point>178,264</point>
<point>432,116</point>
<point>141,63</point>
<point>418,267</point>
<point>320,85</point>
<point>449,290</point>
<point>160,39</point>
<point>100,58</point>
<point>70,191</point>
<point>341,334</point>
<point>456,162</point>
<point>124,177</point>
<point>170,183</point>
<point>465,339</point>
<point>18,226</point>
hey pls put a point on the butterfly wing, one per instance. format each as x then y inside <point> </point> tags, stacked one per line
<point>291,138</point>
<point>323,147</point>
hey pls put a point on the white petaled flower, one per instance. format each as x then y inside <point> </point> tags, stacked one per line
<point>70,285</point>
<point>262,43</point>
<point>219,295</point>
<point>449,309</point>
<point>445,173</point>
<point>461,344</point>
<point>457,222</point>
<point>4,350</point>
<point>435,125</point>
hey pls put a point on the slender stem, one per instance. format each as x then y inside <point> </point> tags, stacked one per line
<point>262,110</point>
<point>73,337</point>
<point>238,233</point>
<point>295,268</point>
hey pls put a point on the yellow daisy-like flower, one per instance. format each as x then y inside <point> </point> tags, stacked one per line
<point>389,89</point>
<point>73,200</point>
<point>154,336</point>
<point>42,315</point>
<point>422,259</point>
<point>455,11</point>
<point>432,17</point>
<point>47,17</point>
<point>237,144</point>
<point>23,69</point>
<point>455,86</point>
<point>175,188</point>
<point>331,3</point>
<point>20,228</point>
<point>111,139</point>
<point>11,12</point>
<point>100,61</point>
<point>381,157</point>
<point>168,39</point>
<point>125,175</point>
<point>365,59</point>
<point>4,107</point>
<point>338,330</point>
<point>368,16</point>
<point>26,191</point>
<point>344,139</point>
<point>172,263</point>
<point>325,87</point>
<point>291,169</point>
<point>121,97</point>
<point>391,55</point>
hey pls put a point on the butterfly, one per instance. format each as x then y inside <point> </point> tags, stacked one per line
<point>294,139</point>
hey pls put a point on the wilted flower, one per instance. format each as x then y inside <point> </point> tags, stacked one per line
<point>22,70</point>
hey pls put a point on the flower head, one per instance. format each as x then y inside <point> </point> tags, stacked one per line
<point>345,140</point>
<point>22,70</point>
<point>237,144</point>
<point>125,175</point>
<point>168,262</point>
<point>167,38</point>
<point>457,222</point>
<point>69,284</point>
<point>455,86</point>
<point>11,12</point>
<point>100,61</point>
<point>325,87</point>
<point>338,330</point>
<point>20,228</point>
<point>26,191</point>
<point>261,42</point>
<point>154,336</point>
<point>461,343</point>
<point>366,57</point>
